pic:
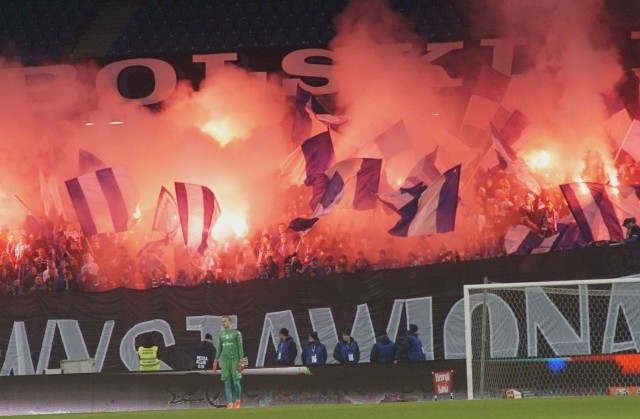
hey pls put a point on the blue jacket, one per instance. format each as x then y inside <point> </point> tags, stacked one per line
<point>412,349</point>
<point>287,352</point>
<point>317,350</point>
<point>343,350</point>
<point>383,351</point>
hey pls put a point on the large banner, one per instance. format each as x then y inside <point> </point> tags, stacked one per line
<point>150,81</point>
<point>39,330</point>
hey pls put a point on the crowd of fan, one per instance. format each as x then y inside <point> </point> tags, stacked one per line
<point>66,260</point>
<point>71,262</point>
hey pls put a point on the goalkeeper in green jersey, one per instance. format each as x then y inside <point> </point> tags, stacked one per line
<point>230,359</point>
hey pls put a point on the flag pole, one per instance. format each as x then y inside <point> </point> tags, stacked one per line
<point>29,212</point>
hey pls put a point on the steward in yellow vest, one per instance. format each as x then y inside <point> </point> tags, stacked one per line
<point>148,354</point>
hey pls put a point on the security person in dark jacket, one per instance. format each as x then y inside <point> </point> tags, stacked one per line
<point>383,351</point>
<point>314,352</point>
<point>411,349</point>
<point>205,354</point>
<point>347,350</point>
<point>287,350</point>
<point>633,230</point>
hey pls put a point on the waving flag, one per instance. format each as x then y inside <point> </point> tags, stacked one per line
<point>622,130</point>
<point>485,106</point>
<point>51,196</point>
<point>433,209</point>
<point>198,211</point>
<point>599,209</point>
<point>513,128</point>
<point>89,162</point>
<point>512,164</point>
<point>631,140</point>
<point>352,181</point>
<point>104,200</point>
<point>389,144</point>
<point>310,117</point>
<point>422,175</point>
<point>521,240</point>
<point>166,220</point>
<point>312,158</point>
<point>424,171</point>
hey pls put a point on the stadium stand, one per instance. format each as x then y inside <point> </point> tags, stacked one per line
<point>40,31</point>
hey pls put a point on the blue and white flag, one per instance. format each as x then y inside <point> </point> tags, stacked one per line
<point>314,157</point>
<point>352,182</point>
<point>198,211</point>
<point>600,209</point>
<point>310,117</point>
<point>432,210</point>
<point>512,164</point>
<point>104,201</point>
<point>521,240</point>
<point>423,174</point>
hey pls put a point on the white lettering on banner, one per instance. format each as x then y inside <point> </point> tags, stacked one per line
<point>128,350</point>
<point>18,355</point>
<point>56,87</point>
<point>624,301</point>
<point>504,336</point>
<point>49,87</point>
<point>503,49</point>
<point>295,64</point>
<point>211,61</point>
<point>542,315</point>
<point>273,322</point>
<point>439,76</point>
<point>164,75</point>
<point>207,324</point>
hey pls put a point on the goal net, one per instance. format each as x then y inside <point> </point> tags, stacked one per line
<point>544,339</point>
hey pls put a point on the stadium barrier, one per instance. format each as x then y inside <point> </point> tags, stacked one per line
<point>85,393</point>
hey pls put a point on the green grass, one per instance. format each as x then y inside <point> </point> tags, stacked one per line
<point>568,407</point>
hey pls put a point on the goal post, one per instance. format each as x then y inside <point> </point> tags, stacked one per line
<point>555,338</point>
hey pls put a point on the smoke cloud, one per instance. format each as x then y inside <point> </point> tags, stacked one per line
<point>233,132</point>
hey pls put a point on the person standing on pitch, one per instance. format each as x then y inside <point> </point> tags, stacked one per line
<point>230,360</point>
<point>411,349</point>
<point>148,355</point>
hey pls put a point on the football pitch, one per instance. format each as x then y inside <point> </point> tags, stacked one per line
<point>567,407</point>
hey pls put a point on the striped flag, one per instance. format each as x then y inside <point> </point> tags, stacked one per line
<point>433,209</point>
<point>509,135</point>
<point>353,182</point>
<point>423,174</point>
<point>198,211</point>
<point>512,164</point>
<point>599,209</point>
<point>166,220</point>
<point>104,200</point>
<point>521,240</point>
<point>312,158</point>
<point>310,117</point>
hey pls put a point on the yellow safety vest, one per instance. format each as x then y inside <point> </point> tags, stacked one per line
<point>149,358</point>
